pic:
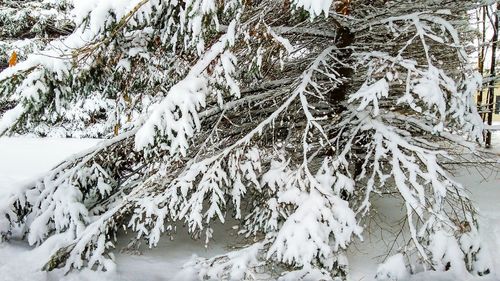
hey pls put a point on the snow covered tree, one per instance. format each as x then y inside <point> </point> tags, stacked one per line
<point>27,27</point>
<point>291,116</point>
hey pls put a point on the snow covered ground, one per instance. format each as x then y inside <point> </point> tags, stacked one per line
<point>23,159</point>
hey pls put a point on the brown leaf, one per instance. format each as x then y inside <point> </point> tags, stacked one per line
<point>13,59</point>
<point>343,7</point>
<point>116,129</point>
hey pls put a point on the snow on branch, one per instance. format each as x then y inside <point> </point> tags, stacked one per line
<point>290,122</point>
<point>176,117</point>
<point>314,7</point>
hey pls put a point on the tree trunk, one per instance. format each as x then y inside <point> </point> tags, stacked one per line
<point>491,85</point>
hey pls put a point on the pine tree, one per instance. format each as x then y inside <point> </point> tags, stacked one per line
<point>27,27</point>
<point>289,116</point>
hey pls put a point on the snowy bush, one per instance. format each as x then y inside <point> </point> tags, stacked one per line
<point>290,116</point>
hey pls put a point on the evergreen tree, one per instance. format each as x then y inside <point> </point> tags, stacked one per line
<point>27,27</point>
<point>289,116</point>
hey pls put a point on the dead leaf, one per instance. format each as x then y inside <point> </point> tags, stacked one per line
<point>116,129</point>
<point>343,7</point>
<point>13,59</point>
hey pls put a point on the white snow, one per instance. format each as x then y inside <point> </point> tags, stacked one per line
<point>23,159</point>
<point>10,117</point>
<point>393,269</point>
<point>314,7</point>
